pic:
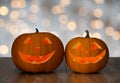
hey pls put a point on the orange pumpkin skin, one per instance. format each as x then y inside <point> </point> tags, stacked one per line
<point>37,52</point>
<point>86,55</point>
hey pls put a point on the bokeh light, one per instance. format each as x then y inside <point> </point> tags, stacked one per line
<point>97,12</point>
<point>14,15</point>
<point>116,35</point>
<point>109,31</point>
<point>97,24</point>
<point>63,19</point>
<point>4,10</point>
<point>34,8</point>
<point>71,25</point>
<point>57,9</point>
<point>3,49</point>
<point>18,3</point>
<point>99,1</point>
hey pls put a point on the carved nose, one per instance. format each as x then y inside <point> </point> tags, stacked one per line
<point>37,48</point>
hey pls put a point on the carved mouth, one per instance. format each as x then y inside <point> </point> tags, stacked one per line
<point>36,59</point>
<point>88,60</point>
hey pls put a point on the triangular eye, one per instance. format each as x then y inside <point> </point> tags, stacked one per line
<point>95,46</point>
<point>46,41</point>
<point>77,46</point>
<point>28,41</point>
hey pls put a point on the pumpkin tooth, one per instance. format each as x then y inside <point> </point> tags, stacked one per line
<point>87,62</point>
<point>100,57</point>
<point>74,60</point>
<point>40,56</point>
<point>34,62</point>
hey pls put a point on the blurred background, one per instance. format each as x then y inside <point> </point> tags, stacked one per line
<point>64,18</point>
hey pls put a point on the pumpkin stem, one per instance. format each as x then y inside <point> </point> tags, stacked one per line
<point>87,32</point>
<point>36,30</point>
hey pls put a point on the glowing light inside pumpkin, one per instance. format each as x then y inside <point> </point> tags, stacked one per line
<point>95,46</point>
<point>37,48</point>
<point>79,48</point>
<point>88,60</point>
<point>86,52</point>
<point>28,41</point>
<point>46,41</point>
<point>36,59</point>
<point>76,45</point>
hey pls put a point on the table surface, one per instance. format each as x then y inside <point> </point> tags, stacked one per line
<point>10,74</point>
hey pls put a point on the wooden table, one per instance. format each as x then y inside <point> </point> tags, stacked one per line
<point>10,74</point>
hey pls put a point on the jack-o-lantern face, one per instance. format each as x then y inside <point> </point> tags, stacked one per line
<point>33,55</point>
<point>92,53</point>
<point>37,52</point>
<point>86,55</point>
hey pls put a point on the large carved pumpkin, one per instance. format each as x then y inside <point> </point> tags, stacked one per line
<point>37,52</point>
<point>86,55</point>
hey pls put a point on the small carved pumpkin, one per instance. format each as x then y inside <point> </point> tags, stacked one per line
<point>86,55</point>
<point>37,52</point>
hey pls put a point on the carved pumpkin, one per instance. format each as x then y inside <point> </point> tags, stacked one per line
<point>37,52</point>
<point>86,55</point>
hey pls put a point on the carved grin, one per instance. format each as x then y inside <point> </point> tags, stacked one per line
<point>36,59</point>
<point>88,60</point>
